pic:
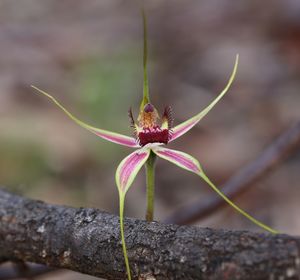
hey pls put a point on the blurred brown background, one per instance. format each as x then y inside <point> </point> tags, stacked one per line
<point>88,54</point>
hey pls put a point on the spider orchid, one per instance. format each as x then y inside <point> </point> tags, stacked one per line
<point>151,134</point>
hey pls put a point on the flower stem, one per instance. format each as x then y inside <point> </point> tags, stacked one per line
<point>150,178</point>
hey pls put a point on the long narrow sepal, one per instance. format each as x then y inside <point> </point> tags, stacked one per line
<point>190,123</point>
<point>146,98</point>
<point>105,134</point>
<point>129,167</point>
<point>241,211</point>
<point>189,163</point>
<point>125,175</point>
<point>179,158</point>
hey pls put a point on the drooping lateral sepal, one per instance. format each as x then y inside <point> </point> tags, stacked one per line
<point>105,134</point>
<point>129,167</point>
<point>233,205</point>
<point>179,158</point>
<point>189,163</point>
<point>184,127</point>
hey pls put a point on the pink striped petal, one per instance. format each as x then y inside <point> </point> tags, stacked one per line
<point>189,163</point>
<point>128,169</point>
<point>187,125</point>
<point>105,134</point>
<point>115,137</point>
<point>181,159</point>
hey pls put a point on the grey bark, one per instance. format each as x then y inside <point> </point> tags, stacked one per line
<point>88,241</point>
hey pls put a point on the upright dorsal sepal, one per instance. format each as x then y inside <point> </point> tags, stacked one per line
<point>146,98</point>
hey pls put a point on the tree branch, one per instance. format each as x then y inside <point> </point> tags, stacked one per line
<point>271,157</point>
<point>88,241</point>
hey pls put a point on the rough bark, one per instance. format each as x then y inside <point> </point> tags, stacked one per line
<point>88,241</point>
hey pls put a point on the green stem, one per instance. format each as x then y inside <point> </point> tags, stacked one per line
<point>150,178</point>
<point>122,198</point>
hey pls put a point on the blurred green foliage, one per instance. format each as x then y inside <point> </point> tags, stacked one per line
<point>21,163</point>
<point>108,87</point>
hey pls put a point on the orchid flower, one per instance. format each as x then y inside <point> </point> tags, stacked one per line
<point>151,134</point>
